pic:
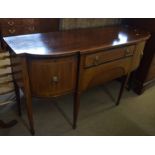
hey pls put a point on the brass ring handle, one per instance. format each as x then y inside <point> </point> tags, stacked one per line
<point>12,31</point>
<point>55,79</point>
<point>11,23</point>
<point>96,60</point>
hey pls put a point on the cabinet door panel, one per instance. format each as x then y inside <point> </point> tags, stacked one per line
<point>53,77</point>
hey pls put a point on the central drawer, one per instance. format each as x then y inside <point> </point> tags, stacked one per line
<point>108,55</point>
<point>52,77</point>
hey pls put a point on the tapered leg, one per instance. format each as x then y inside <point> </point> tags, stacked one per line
<point>76,109</point>
<point>17,91</point>
<point>130,81</point>
<point>27,92</point>
<point>30,113</point>
<point>7,125</point>
<point>124,82</point>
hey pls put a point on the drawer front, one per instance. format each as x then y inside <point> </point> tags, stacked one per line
<point>11,22</point>
<point>109,55</point>
<point>18,22</point>
<point>13,30</point>
<point>17,30</point>
<point>10,27</point>
<point>52,77</point>
<point>105,72</point>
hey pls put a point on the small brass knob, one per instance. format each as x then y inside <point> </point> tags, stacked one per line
<point>128,52</point>
<point>96,60</point>
<point>55,79</point>
<point>12,31</point>
<point>11,23</point>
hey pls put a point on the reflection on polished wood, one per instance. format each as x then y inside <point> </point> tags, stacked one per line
<point>57,63</point>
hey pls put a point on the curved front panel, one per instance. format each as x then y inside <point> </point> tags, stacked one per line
<point>52,77</point>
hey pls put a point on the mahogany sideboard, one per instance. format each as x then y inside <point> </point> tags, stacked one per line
<point>57,63</point>
<point>144,76</point>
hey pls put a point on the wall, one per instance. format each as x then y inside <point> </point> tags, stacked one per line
<point>74,23</point>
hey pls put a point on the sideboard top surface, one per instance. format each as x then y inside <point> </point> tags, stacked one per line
<point>72,41</point>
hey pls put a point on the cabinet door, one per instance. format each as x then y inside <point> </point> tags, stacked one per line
<point>52,77</point>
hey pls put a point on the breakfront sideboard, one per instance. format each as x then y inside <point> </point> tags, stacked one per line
<point>57,63</point>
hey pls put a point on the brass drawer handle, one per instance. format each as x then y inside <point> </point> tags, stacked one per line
<point>128,52</point>
<point>96,60</point>
<point>11,23</point>
<point>55,79</point>
<point>12,31</point>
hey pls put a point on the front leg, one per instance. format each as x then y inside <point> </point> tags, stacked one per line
<point>124,82</point>
<point>30,112</point>
<point>76,108</point>
<point>27,92</point>
<point>17,92</point>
